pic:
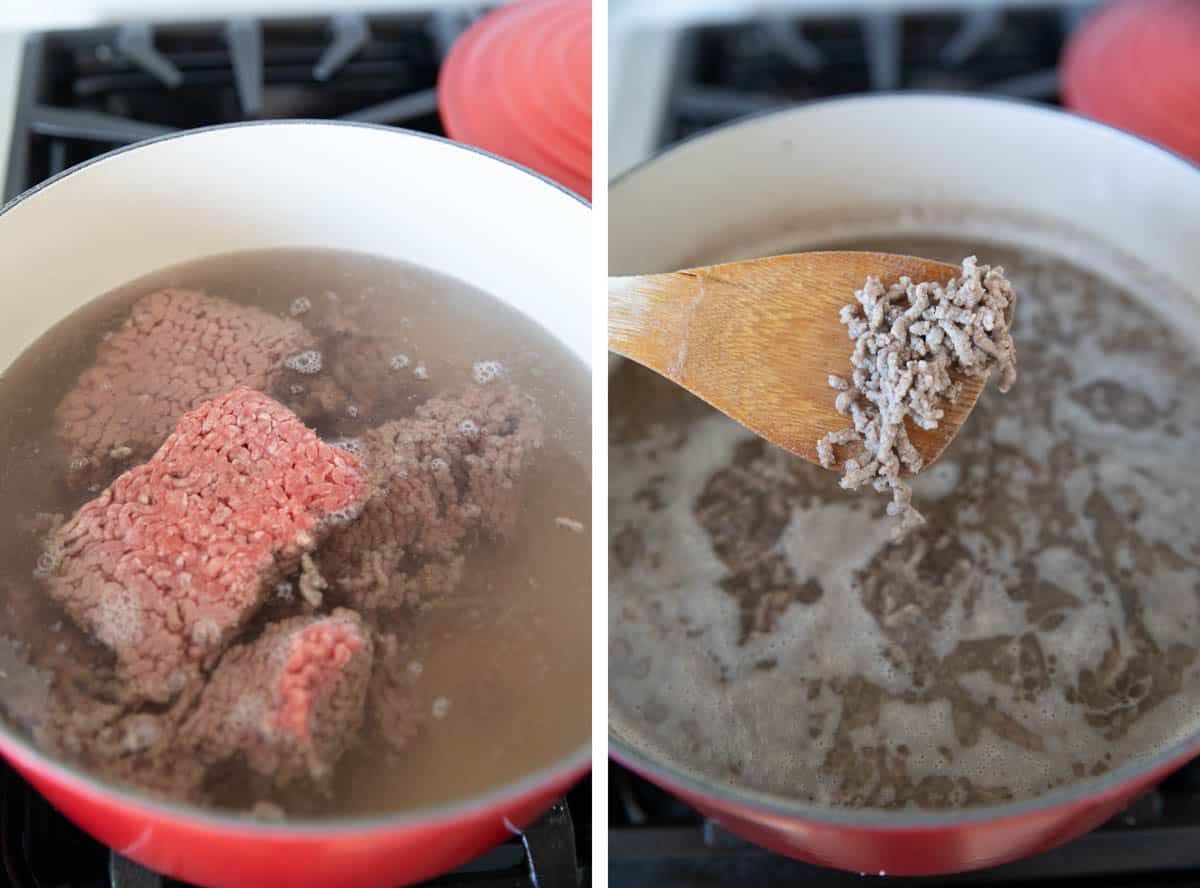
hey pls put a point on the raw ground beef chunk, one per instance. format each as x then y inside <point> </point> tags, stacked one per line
<point>289,703</point>
<point>171,560</point>
<point>285,705</point>
<point>177,349</point>
<point>440,479</point>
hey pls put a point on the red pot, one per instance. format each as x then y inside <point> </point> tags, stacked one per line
<point>759,187</point>
<point>391,193</point>
<point>222,852</point>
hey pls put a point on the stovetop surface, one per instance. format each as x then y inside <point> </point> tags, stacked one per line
<point>84,92</point>
<point>728,70</point>
<point>720,72</point>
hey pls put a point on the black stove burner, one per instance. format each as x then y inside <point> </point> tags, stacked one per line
<point>84,92</point>
<point>40,848</point>
<point>730,70</point>
<point>656,840</point>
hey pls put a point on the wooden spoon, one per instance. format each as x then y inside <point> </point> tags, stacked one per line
<point>758,339</point>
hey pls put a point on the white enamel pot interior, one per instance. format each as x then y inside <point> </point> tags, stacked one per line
<point>383,191</point>
<point>388,192</point>
<point>922,164</point>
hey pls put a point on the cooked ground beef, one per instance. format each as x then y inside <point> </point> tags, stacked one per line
<point>171,560</point>
<point>440,479</point>
<point>908,340</point>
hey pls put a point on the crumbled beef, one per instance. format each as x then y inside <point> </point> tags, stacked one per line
<point>177,349</point>
<point>172,559</point>
<point>440,480</point>
<point>311,583</point>
<point>289,703</point>
<point>908,339</point>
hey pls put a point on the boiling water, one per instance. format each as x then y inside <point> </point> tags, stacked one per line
<point>1043,627</point>
<point>500,669</point>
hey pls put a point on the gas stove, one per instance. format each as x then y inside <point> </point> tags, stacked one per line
<point>82,93</point>
<point>686,66</point>
<point>680,67</point>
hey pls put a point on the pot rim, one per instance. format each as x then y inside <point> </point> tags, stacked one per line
<point>771,805</point>
<point>288,122</point>
<point>949,96</point>
<point>568,767</point>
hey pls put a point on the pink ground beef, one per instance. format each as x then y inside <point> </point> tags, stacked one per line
<point>178,349</point>
<point>441,480</point>
<point>175,556</point>
<point>289,703</point>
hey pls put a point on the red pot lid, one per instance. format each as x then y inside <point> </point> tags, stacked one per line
<point>518,83</point>
<point>1136,65</point>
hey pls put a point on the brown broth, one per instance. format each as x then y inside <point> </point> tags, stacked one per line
<point>509,650</point>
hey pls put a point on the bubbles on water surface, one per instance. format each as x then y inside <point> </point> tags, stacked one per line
<point>306,362</point>
<point>487,371</point>
<point>350,445</point>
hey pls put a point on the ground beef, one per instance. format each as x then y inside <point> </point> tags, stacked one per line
<point>360,377</point>
<point>289,703</point>
<point>285,706</point>
<point>129,746</point>
<point>908,339</point>
<point>360,367</point>
<point>177,349</point>
<point>441,479</point>
<point>393,713</point>
<point>171,560</point>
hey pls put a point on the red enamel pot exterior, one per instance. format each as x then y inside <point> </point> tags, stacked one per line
<point>224,853</point>
<point>898,850</point>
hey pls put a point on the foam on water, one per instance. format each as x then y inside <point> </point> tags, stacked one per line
<point>306,362</point>
<point>488,371</point>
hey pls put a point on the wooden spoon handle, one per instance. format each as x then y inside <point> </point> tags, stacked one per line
<point>648,318</point>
